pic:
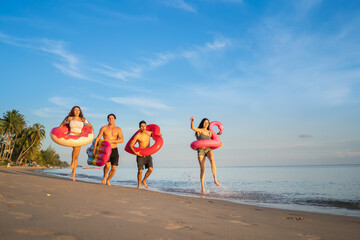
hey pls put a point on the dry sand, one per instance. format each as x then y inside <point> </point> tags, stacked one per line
<point>38,206</point>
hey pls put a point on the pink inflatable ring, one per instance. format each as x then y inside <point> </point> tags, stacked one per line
<point>214,142</point>
<point>60,136</point>
<point>155,129</point>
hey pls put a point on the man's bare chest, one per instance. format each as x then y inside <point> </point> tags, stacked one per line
<point>110,133</point>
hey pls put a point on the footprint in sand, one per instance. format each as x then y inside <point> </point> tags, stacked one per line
<point>34,232</point>
<point>65,237</point>
<point>136,220</point>
<point>140,214</point>
<point>240,222</point>
<point>309,237</point>
<point>109,214</point>
<point>123,201</point>
<point>177,226</point>
<point>113,216</point>
<point>38,205</point>
<point>12,201</point>
<point>78,215</point>
<point>145,208</point>
<point>188,204</point>
<point>20,215</point>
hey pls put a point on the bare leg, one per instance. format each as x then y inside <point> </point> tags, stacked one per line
<point>147,174</point>
<point>202,172</point>
<point>106,170</point>
<point>139,176</point>
<point>75,155</point>
<point>111,174</point>
<point>210,156</point>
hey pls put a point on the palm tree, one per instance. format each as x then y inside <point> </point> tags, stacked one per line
<point>31,137</point>
<point>10,126</point>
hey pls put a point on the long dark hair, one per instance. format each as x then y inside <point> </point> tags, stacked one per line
<point>72,114</point>
<point>201,125</point>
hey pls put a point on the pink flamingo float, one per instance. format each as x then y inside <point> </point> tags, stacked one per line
<point>214,142</point>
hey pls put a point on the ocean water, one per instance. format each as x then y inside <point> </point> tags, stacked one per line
<point>322,189</point>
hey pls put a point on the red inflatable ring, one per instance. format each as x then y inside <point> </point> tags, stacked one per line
<point>155,129</point>
<point>60,136</point>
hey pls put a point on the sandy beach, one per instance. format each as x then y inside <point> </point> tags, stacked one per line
<point>38,206</point>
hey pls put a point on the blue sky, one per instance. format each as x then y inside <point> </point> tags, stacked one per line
<point>282,76</point>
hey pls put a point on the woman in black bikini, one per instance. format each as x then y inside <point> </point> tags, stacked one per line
<point>202,133</point>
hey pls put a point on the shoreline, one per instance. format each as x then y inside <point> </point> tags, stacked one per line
<point>84,210</point>
<point>325,206</point>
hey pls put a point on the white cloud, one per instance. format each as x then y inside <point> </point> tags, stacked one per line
<point>136,70</point>
<point>63,106</point>
<point>162,59</point>
<point>347,154</point>
<point>116,16</point>
<point>67,62</point>
<point>200,54</point>
<point>71,65</point>
<point>305,5</point>
<point>141,103</point>
<point>316,68</point>
<point>63,102</point>
<point>49,112</point>
<point>180,4</point>
<point>123,75</point>
<point>218,44</point>
<point>334,96</point>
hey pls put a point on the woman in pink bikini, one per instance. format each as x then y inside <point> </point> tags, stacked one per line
<point>76,122</point>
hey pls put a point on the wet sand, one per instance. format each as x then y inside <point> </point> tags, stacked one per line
<point>38,206</point>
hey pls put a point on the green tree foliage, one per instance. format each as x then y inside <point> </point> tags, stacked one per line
<point>30,139</point>
<point>49,157</point>
<point>11,126</point>
<point>21,144</point>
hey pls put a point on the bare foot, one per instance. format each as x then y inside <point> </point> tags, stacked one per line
<point>104,180</point>
<point>138,187</point>
<point>73,176</point>
<point>217,183</point>
<point>108,183</point>
<point>203,191</point>
<point>144,183</point>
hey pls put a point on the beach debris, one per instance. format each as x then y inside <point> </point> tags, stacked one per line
<point>12,205</point>
<point>296,218</point>
<point>48,194</point>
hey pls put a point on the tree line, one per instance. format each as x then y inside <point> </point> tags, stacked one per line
<point>20,144</point>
